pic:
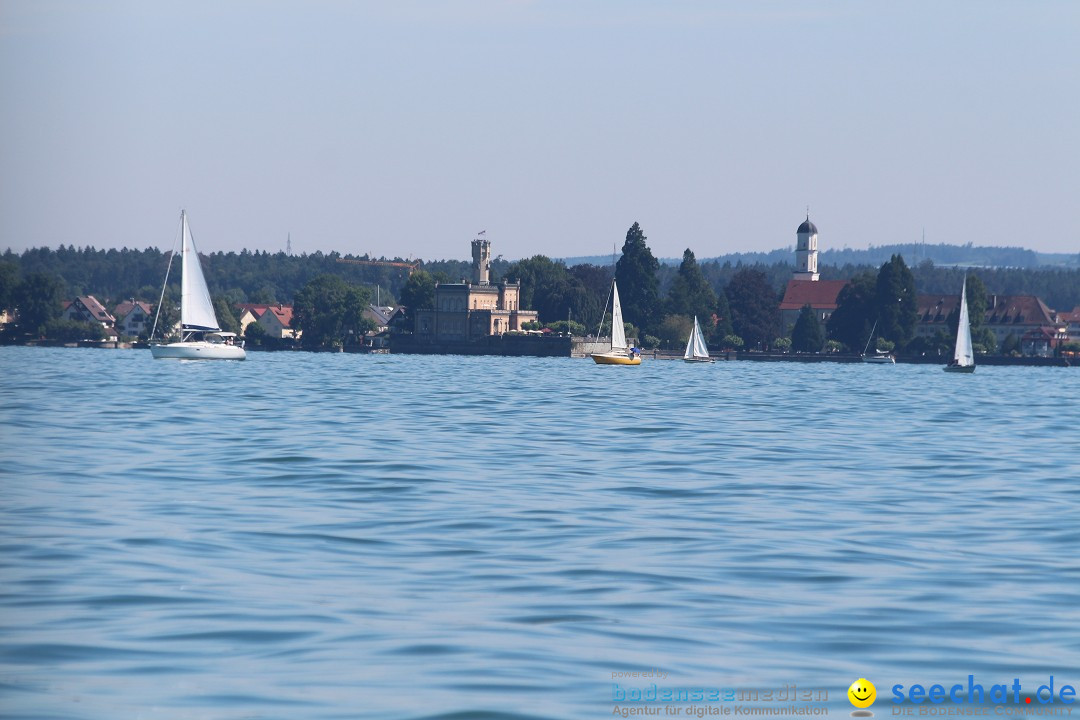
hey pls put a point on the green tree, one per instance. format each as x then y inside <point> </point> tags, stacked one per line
<point>418,294</point>
<point>639,289</point>
<point>690,292</point>
<point>329,312</point>
<point>806,336</point>
<point>755,307</point>
<point>38,299</point>
<point>895,296</point>
<point>9,284</point>
<point>548,288</point>
<point>168,318</point>
<point>977,302</point>
<point>73,330</point>
<point>674,331</point>
<point>225,317</point>
<point>853,318</point>
<point>722,317</point>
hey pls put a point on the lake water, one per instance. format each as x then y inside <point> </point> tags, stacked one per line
<point>346,536</point>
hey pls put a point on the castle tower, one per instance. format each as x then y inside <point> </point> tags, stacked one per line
<point>806,251</point>
<point>481,261</point>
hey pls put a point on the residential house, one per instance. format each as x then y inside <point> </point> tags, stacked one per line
<point>249,313</point>
<point>277,321</point>
<point>1072,323</point>
<point>134,317</point>
<point>86,308</point>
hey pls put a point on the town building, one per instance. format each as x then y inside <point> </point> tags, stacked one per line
<point>133,317</point>
<point>1037,328</point>
<point>86,308</point>
<point>469,311</point>
<point>249,313</point>
<point>806,286</point>
<point>277,321</point>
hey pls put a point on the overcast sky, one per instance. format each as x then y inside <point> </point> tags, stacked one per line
<point>404,127</point>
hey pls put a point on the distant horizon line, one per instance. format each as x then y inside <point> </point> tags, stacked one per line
<point>580,258</point>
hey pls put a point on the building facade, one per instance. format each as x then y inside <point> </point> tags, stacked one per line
<point>806,286</point>
<point>472,310</point>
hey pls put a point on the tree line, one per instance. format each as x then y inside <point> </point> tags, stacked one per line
<point>737,303</point>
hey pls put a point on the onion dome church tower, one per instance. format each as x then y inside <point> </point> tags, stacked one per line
<point>806,251</point>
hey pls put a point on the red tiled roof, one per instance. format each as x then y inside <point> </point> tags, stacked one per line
<point>97,310</point>
<point>1027,309</point>
<point>818,294</point>
<point>935,308</point>
<point>283,314</point>
<point>1000,309</point>
<point>127,306</point>
<point>254,308</point>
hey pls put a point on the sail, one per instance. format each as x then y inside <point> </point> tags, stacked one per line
<point>695,346</point>
<point>964,355</point>
<point>618,332</point>
<point>196,310</point>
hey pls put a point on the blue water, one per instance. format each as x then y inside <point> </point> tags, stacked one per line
<point>344,536</point>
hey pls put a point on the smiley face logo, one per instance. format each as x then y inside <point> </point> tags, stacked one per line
<point>862,693</point>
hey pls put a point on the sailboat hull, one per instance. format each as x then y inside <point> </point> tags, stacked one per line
<point>959,368</point>
<point>698,359</point>
<point>198,351</point>
<point>615,359</point>
<point>879,359</point>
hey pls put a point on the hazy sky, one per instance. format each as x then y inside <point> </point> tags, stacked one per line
<point>404,127</point>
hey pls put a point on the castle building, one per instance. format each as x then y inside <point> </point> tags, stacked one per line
<point>472,310</point>
<point>806,286</point>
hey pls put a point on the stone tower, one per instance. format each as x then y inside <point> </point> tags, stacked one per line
<point>805,251</point>
<point>481,261</point>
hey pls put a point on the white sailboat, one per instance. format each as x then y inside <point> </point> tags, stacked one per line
<point>695,346</point>
<point>201,338</point>
<point>620,353</point>
<point>964,355</point>
<point>878,358</point>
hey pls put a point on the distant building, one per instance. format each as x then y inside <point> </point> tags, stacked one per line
<point>381,315</point>
<point>1039,329</point>
<point>277,321</point>
<point>471,310</point>
<point>1072,323</point>
<point>133,317</point>
<point>86,308</point>
<point>249,313</point>
<point>806,286</point>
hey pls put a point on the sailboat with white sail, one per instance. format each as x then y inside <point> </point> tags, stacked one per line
<point>964,355</point>
<point>201,338</point>
<point>696,351</point>
<point>878,358</point>
<point>620,353</point>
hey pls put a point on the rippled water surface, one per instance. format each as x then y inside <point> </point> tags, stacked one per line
<point>343,536</point>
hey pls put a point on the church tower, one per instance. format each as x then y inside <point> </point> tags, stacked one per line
<point>806,251</point>
<point>481,261</point>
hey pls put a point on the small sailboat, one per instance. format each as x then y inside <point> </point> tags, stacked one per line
<point>878,358</point>
<point>695,346</point>
<point>964,355</point>
<point>201,338</point>
<point>620,353</point>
